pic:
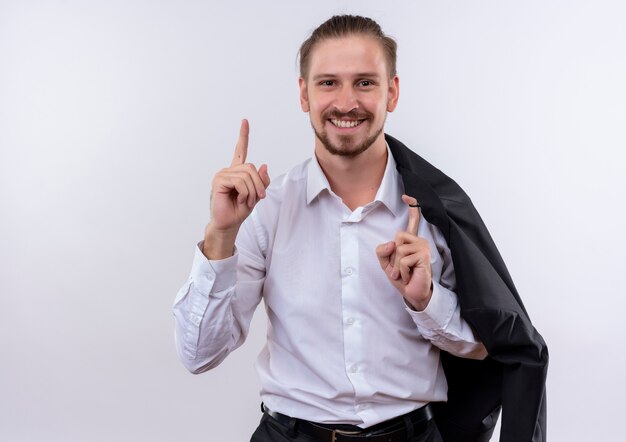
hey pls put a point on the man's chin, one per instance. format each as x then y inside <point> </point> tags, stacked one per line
<point>346,146</point>
<point>343,151</point>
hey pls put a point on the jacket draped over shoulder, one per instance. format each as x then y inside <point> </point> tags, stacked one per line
<point>513,376</point>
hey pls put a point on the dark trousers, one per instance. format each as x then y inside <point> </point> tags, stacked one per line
<point>270,430</point>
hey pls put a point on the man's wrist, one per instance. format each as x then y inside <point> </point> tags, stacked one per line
<point>420,306</point>
<point>219,244</point>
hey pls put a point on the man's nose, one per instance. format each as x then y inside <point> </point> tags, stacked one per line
<point>346,100</point>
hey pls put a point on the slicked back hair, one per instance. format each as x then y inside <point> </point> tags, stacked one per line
<point>343,26</point>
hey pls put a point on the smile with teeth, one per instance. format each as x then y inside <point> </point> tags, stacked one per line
<point>343,123</point>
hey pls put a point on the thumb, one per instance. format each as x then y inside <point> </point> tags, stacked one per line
<point>384,252</point>
<point>265,176</point>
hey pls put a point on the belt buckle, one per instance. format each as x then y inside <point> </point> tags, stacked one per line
<point>343,433</point>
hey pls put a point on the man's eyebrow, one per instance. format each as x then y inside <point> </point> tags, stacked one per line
<point>359,75</point>
<point>368,75</point>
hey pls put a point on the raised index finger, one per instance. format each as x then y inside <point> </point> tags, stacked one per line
<point>241,150</point>
<point>414,214</point>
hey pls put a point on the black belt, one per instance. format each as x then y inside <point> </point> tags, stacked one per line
<point>399,429</point>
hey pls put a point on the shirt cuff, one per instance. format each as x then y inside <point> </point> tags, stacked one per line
<point>213,276</point>
<point>438,312</point>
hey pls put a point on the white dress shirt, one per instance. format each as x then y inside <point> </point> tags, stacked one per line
<point>342,345</point>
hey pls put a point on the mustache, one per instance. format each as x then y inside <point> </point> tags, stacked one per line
<point>352,115</point>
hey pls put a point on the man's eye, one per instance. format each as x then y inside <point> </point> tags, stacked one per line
<point>365,83</point>
<point>327,83</point>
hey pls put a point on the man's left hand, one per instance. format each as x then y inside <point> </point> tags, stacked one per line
<point>406,261</point>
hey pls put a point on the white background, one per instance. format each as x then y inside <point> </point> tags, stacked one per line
<point>114,116</point>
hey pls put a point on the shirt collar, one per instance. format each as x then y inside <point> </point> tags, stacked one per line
<point>389,192</point>
<point>316,180</point>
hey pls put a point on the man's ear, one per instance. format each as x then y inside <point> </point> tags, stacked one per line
<point>393,93</point>
<point>304,95</point>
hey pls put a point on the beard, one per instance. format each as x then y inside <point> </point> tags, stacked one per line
<point>346,146</point>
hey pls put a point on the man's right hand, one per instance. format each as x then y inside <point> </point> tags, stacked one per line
<point>235,191</point>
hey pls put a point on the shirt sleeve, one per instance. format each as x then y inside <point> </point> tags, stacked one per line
<point>441,322</point>
<point>214,308</point>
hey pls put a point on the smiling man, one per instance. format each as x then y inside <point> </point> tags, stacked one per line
<point>347,87</point>
<point>387,301</point>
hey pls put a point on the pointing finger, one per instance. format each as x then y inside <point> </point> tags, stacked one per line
<point>414,214</point>
<point>241,150</point>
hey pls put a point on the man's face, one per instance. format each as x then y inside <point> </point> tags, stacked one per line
<point>348,93</point>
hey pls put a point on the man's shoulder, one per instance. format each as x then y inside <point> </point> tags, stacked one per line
<point>285,192</point>
<point>291,181</point>
<point>411,165</point>
<point>289,186</point>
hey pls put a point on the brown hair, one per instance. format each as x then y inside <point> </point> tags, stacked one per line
<point>343,26</point>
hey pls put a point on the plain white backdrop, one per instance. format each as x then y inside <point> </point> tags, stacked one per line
<point>114,116</point>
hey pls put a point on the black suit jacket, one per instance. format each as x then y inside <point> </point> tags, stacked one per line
<point>513,375</point>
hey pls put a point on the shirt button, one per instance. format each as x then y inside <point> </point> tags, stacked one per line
<point>350,321</point>
<point>354,369</point>
<point>349,270</point>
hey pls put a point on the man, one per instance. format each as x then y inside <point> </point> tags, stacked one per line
<point>368,301</point>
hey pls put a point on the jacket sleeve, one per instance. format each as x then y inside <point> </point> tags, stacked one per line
<point>491,305</point>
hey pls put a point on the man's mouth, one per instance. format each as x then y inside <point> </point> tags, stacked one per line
<point>346,123</point>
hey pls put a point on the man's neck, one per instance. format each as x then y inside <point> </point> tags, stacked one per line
<point>354,179</point>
